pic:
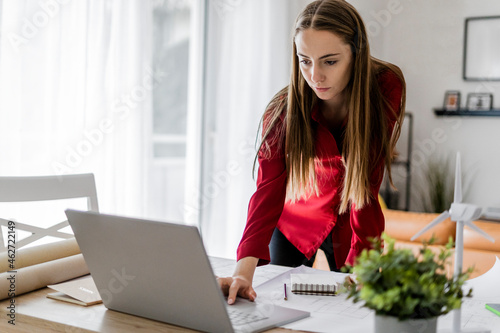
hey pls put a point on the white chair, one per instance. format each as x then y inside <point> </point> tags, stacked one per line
<point>25,189</point>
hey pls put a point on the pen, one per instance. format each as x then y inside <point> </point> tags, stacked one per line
<point>285,292</point>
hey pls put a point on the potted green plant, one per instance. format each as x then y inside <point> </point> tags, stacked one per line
<point>407,292</point>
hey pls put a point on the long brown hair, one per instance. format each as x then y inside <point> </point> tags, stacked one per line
<point>368,111</point>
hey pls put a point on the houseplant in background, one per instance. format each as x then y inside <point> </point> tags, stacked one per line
<point>435,188</point>
<point>438,178</point>
<point>407,292</point>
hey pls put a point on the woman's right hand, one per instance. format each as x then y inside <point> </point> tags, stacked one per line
<point>236,286</point>
<point>240,284</point>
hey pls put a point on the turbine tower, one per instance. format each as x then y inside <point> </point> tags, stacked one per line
<point>463,214</point>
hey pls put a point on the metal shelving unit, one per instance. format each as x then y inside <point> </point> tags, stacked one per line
<point>388,194</point>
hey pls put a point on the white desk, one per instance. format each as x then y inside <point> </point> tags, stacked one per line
<point>36,313</point>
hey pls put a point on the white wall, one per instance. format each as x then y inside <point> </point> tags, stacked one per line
<point>425,39</point>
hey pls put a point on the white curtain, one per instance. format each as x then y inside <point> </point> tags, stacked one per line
<point>248,61</point>
<point>75,93</point>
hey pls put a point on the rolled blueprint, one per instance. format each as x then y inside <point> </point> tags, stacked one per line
<point>25,257</point>
<point>23,280</point>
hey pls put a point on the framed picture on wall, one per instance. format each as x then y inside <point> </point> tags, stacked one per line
<point>479,101</point>
<point>481,49</point>
<point>452,100</point>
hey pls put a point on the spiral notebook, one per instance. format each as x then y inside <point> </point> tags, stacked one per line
<point>313,284</point>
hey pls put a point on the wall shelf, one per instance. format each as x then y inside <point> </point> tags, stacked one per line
<point>465,112</point>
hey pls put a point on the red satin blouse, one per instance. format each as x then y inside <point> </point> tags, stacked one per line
<point>306,223</point>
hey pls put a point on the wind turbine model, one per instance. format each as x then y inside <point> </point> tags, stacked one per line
<point>462,214</point>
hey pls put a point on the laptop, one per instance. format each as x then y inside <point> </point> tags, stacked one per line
<point>160,271</point>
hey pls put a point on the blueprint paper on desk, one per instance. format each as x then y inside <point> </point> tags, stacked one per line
<point>487,286</point>
<point>338,314</point>
<point>268,283</point>
<point>485,289</point>
<point>328,314</point>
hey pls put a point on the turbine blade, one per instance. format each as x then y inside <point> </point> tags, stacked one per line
<point>444,215</point>
<point>458,181</point>
<point>479,231</point>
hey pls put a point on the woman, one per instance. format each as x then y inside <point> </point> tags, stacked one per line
<point>327,137</point>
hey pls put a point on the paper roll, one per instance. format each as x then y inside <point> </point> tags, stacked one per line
<point>25,257</point>
<point>41,275</point>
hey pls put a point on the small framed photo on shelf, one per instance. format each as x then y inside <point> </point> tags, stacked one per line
<point>479,101</point>
<point>452,100</point>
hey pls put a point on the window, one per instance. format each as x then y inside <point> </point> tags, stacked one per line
<point>171,50</point>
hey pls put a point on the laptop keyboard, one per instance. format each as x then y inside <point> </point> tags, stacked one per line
<point>241,318</point>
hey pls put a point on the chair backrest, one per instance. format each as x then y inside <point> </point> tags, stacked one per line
<point>19,189</point>
<point>39,188</point>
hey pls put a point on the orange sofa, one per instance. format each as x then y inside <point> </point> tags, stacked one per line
<point>478,251</point>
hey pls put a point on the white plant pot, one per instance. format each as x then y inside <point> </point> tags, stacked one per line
<point>388,324</point>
